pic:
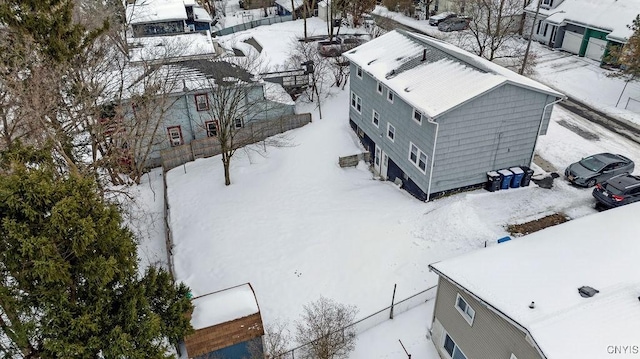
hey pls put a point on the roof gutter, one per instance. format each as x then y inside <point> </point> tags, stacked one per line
<point>433,154</point>
<point>544,111</point>
<point>498,312</point>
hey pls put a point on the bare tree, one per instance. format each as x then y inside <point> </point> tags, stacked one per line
<point>493,28</point>
<point>240,110</point>
<point>326,327</point>
<point>275,342</point>
<point>354,9</point>
<point>302,51</point>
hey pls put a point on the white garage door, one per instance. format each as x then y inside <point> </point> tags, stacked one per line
<point>572,42</point>
<point>595,49</point>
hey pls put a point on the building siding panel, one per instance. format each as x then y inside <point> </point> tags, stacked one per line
<point>490,336</point>
<point>497,130</point>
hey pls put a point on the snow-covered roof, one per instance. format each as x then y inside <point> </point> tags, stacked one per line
<point>276,93</point>
<point>608,15</point>
<point>547,267</point>
<point>448,77</point>
<point>147,11</point>
<point>152,48</point>
<point>286,4</point>
<point>201,15</point>
<point>223,306</point>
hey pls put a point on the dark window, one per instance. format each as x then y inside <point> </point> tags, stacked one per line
<point>449,345</point>
<point>212,128</point>
<point>546,27</point>
<point>202,102</point>
<point>238,123</point>
<point>175,135</point>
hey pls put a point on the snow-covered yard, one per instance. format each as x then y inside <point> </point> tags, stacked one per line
<point>296,225</point>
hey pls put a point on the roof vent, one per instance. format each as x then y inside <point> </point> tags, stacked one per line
<point>532,305</point>
<point>587,292</point>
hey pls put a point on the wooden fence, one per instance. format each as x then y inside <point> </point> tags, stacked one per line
<point>210,146</point>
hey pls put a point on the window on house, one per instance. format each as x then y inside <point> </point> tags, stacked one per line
<point>212,128</point>
<point>465,309</point>
<point>417,116</point>
<point>546,27</point>
<point>379,88</point>
<point>375,119</point>
<point>417,157</point>
<point>391,132</point>
<point>175,135</point>
<point>390,96</point>
<point>359,72</point>
<point>202,102</point>
<point>547,2</point>
<point>451,348</point>
<point>538,29</point>
<point>238,123</point>
<point>356,102</point>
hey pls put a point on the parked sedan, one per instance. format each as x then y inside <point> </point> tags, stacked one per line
<point>453,24</point>
<point>618,191</point>
<point>597,168</point>
<point>437,19</point>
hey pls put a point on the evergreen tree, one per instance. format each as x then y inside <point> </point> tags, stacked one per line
<point>70,283</point>
<point>628,56</point>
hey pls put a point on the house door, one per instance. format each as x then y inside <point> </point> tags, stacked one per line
<point>377,159</point>
<point>384,165</point>
<point>380,162</point>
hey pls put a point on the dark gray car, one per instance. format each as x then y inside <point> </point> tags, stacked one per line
<point>598,168</point>
<point>453,24</point>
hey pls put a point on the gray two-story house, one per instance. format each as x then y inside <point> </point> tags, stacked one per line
<point>568,291</point>
<point>177,104</point>
<point>437,118</point>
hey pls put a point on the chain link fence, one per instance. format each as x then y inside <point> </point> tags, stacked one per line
<point>372,320</point>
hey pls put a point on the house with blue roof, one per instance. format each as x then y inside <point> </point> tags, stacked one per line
<point>437,118</point>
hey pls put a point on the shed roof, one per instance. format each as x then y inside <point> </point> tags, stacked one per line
<point>224,306</point>
<point>609,15</point>
<point>431,75</point>
<point>547,267</point>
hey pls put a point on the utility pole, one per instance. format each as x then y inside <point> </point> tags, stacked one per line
<point>526,52</point>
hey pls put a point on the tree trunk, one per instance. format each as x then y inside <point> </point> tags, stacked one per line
<point>227,176</point>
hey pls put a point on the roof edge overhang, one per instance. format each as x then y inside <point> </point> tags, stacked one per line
<point>491,307</point>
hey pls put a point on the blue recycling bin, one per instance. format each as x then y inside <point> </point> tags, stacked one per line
<point>518,173</point>
<point>506,178</point>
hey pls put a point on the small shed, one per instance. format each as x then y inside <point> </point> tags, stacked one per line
<point>227,324</point>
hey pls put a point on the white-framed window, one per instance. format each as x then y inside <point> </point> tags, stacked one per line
<point>390,96</point>
<point>358,72</point>
<point>238,123</point>
<point>202,102</point>
<point>452,348</point>
<point>547,2</point>
<point>175,135</point>
<point>417,116</point>
<point>212,128</point>
<point>375,118</point>
<point>391,132</point>
<point>379,88</point>
<point>465,309</point>
<point>356,102</point>
<point>417,157</point>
